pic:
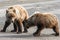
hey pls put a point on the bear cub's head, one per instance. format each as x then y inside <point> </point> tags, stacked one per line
<point>11,14</point>
<point>30,21</point>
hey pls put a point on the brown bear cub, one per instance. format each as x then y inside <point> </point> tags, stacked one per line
<point>42,20</point>
<point>15,14</point>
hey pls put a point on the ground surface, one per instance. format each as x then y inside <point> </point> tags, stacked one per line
<point>52,6</point>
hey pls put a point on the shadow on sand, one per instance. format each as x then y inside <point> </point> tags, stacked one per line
<point>26,36</point>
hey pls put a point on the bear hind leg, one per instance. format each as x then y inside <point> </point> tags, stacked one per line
<point>56,30</point>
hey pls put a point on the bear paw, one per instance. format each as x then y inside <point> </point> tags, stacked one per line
<point>25,31</point>
<point>2,31</point>
<point>13,30</point>
<point>57,34</point>
<point>36,35</point>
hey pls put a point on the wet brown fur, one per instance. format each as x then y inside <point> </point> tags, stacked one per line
<point>11,13</point>
<point>42,21</point>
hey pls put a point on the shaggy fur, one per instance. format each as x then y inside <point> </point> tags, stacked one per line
<point>15,14</point>
<point>42,20</point>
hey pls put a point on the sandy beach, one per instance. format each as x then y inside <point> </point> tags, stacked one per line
<point>31,6</point>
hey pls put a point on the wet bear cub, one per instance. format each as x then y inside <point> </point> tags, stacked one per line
<point>15,14</point>
<point>42,20</point>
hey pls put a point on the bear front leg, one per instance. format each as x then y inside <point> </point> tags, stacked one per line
<point>7,23</point>
<point>37,33</point>
<point>39,29</point>
<point>15,28</point>
<point>19,26</point>
<point>25,29</point>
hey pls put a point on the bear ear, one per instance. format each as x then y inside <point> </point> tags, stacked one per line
<point>7,11</point>
<point>11,8</point>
